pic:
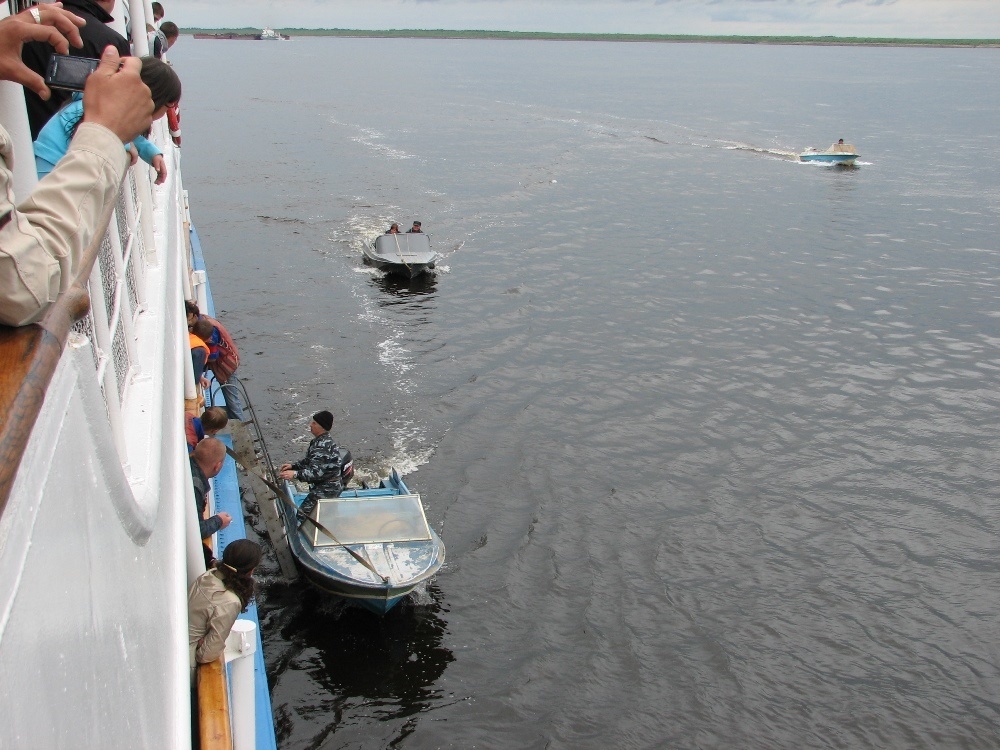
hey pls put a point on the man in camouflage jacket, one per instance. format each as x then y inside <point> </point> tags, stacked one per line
<point>322,466</point>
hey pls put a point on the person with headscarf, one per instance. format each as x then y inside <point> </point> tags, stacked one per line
<point>217,597</point>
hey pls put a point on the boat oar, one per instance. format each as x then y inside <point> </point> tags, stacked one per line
<point>282,493</point>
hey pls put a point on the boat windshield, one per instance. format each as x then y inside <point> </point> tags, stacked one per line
<point>372,520</point>
<point>402,244</point>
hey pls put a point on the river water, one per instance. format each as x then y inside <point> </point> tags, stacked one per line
<point>711,435</point>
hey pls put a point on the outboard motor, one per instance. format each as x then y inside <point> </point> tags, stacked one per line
<point>346,467</point>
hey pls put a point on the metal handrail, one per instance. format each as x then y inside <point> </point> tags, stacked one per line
<point>29,356</point>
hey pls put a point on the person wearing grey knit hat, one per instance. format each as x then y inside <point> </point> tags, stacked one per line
<point>322,467</point>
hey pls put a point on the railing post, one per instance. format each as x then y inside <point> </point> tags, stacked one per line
<point>241,645</point>
<point>200,279</point>
<point>137,12</point>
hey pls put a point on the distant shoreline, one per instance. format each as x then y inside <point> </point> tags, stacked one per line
<point>818,41</point>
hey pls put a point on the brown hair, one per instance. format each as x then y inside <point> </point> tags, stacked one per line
<point>235,568</point>
<point>203,329</point>
<point>214,418</point>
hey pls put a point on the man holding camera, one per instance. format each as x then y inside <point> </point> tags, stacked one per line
<point>95,34</point>
<point>43,238</point>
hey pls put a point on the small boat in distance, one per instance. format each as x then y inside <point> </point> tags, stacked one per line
<point>270,35</point>
<point>838,153</point>
<point>408,254</point>
<point>378,549</point>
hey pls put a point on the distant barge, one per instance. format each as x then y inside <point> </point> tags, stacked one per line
<point>263,36</point>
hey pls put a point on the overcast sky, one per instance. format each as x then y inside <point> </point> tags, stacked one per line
<point>977,19</point>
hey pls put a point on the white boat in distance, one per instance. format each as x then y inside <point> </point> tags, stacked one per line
<point>408,254</point>
<point>838,153</point>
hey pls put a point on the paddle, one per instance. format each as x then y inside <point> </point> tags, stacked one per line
<point>282,493</point>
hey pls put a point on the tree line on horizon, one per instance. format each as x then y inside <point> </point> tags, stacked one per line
<point>558,36</point>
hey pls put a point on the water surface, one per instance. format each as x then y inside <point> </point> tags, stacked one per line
<point>710,435</point>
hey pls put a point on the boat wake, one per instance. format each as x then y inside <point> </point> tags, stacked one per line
<point>777,153</point>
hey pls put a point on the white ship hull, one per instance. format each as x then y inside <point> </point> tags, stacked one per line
<point>99,536</point>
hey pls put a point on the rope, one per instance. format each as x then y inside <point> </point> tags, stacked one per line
<point>400,252</point>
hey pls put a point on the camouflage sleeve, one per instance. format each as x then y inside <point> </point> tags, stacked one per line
<point>322,461</point>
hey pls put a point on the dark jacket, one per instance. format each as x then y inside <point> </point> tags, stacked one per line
<point>96,36</point>
<point>321,467</point>
<point>208,525</point>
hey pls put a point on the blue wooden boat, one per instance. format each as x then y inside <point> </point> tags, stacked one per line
<point>838,153</point>
<point>383,550</point>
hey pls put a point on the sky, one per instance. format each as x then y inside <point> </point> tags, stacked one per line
<point>966,19</point>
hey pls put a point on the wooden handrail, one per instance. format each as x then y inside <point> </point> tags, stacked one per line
<point>29,356</point>
<point>214,727</point>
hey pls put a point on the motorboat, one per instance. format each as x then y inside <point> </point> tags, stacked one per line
<point>838,153</point>
<point>270,35</point>
<point>408,254</point>
<point>370,545</point>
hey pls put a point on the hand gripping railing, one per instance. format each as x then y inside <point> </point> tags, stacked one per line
<point>29,356</point>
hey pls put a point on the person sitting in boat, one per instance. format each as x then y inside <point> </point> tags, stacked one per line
<point>54,138</point>
<point>415,229</point>
<point>217,597</point>
<point>394,229</point>
<point>321,468</point>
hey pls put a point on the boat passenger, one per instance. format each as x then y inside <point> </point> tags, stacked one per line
<point>42,239</point>
<point>211,421</point>
<point>158,14</point>
<point>394,229</point>
<point>164,38</point>
<point>191,311</point>
<point>198,336</point>
<point>206,461</point>
<point>217,597</point>
<point>414,228</point>
<point>96,35</point>
<point>322,466</point>
<point>223,359</point>
<point>53,140</point>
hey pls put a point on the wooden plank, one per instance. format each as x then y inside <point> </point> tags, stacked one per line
<point>214,726</point>
<point>266,501</point>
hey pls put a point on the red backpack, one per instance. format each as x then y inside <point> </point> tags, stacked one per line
<point>229,356</point>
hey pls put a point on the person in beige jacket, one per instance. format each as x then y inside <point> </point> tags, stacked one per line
<point>43,238</point>
<point>217,597</point>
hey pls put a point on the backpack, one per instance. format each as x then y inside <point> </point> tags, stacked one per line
<point>229,356</point>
